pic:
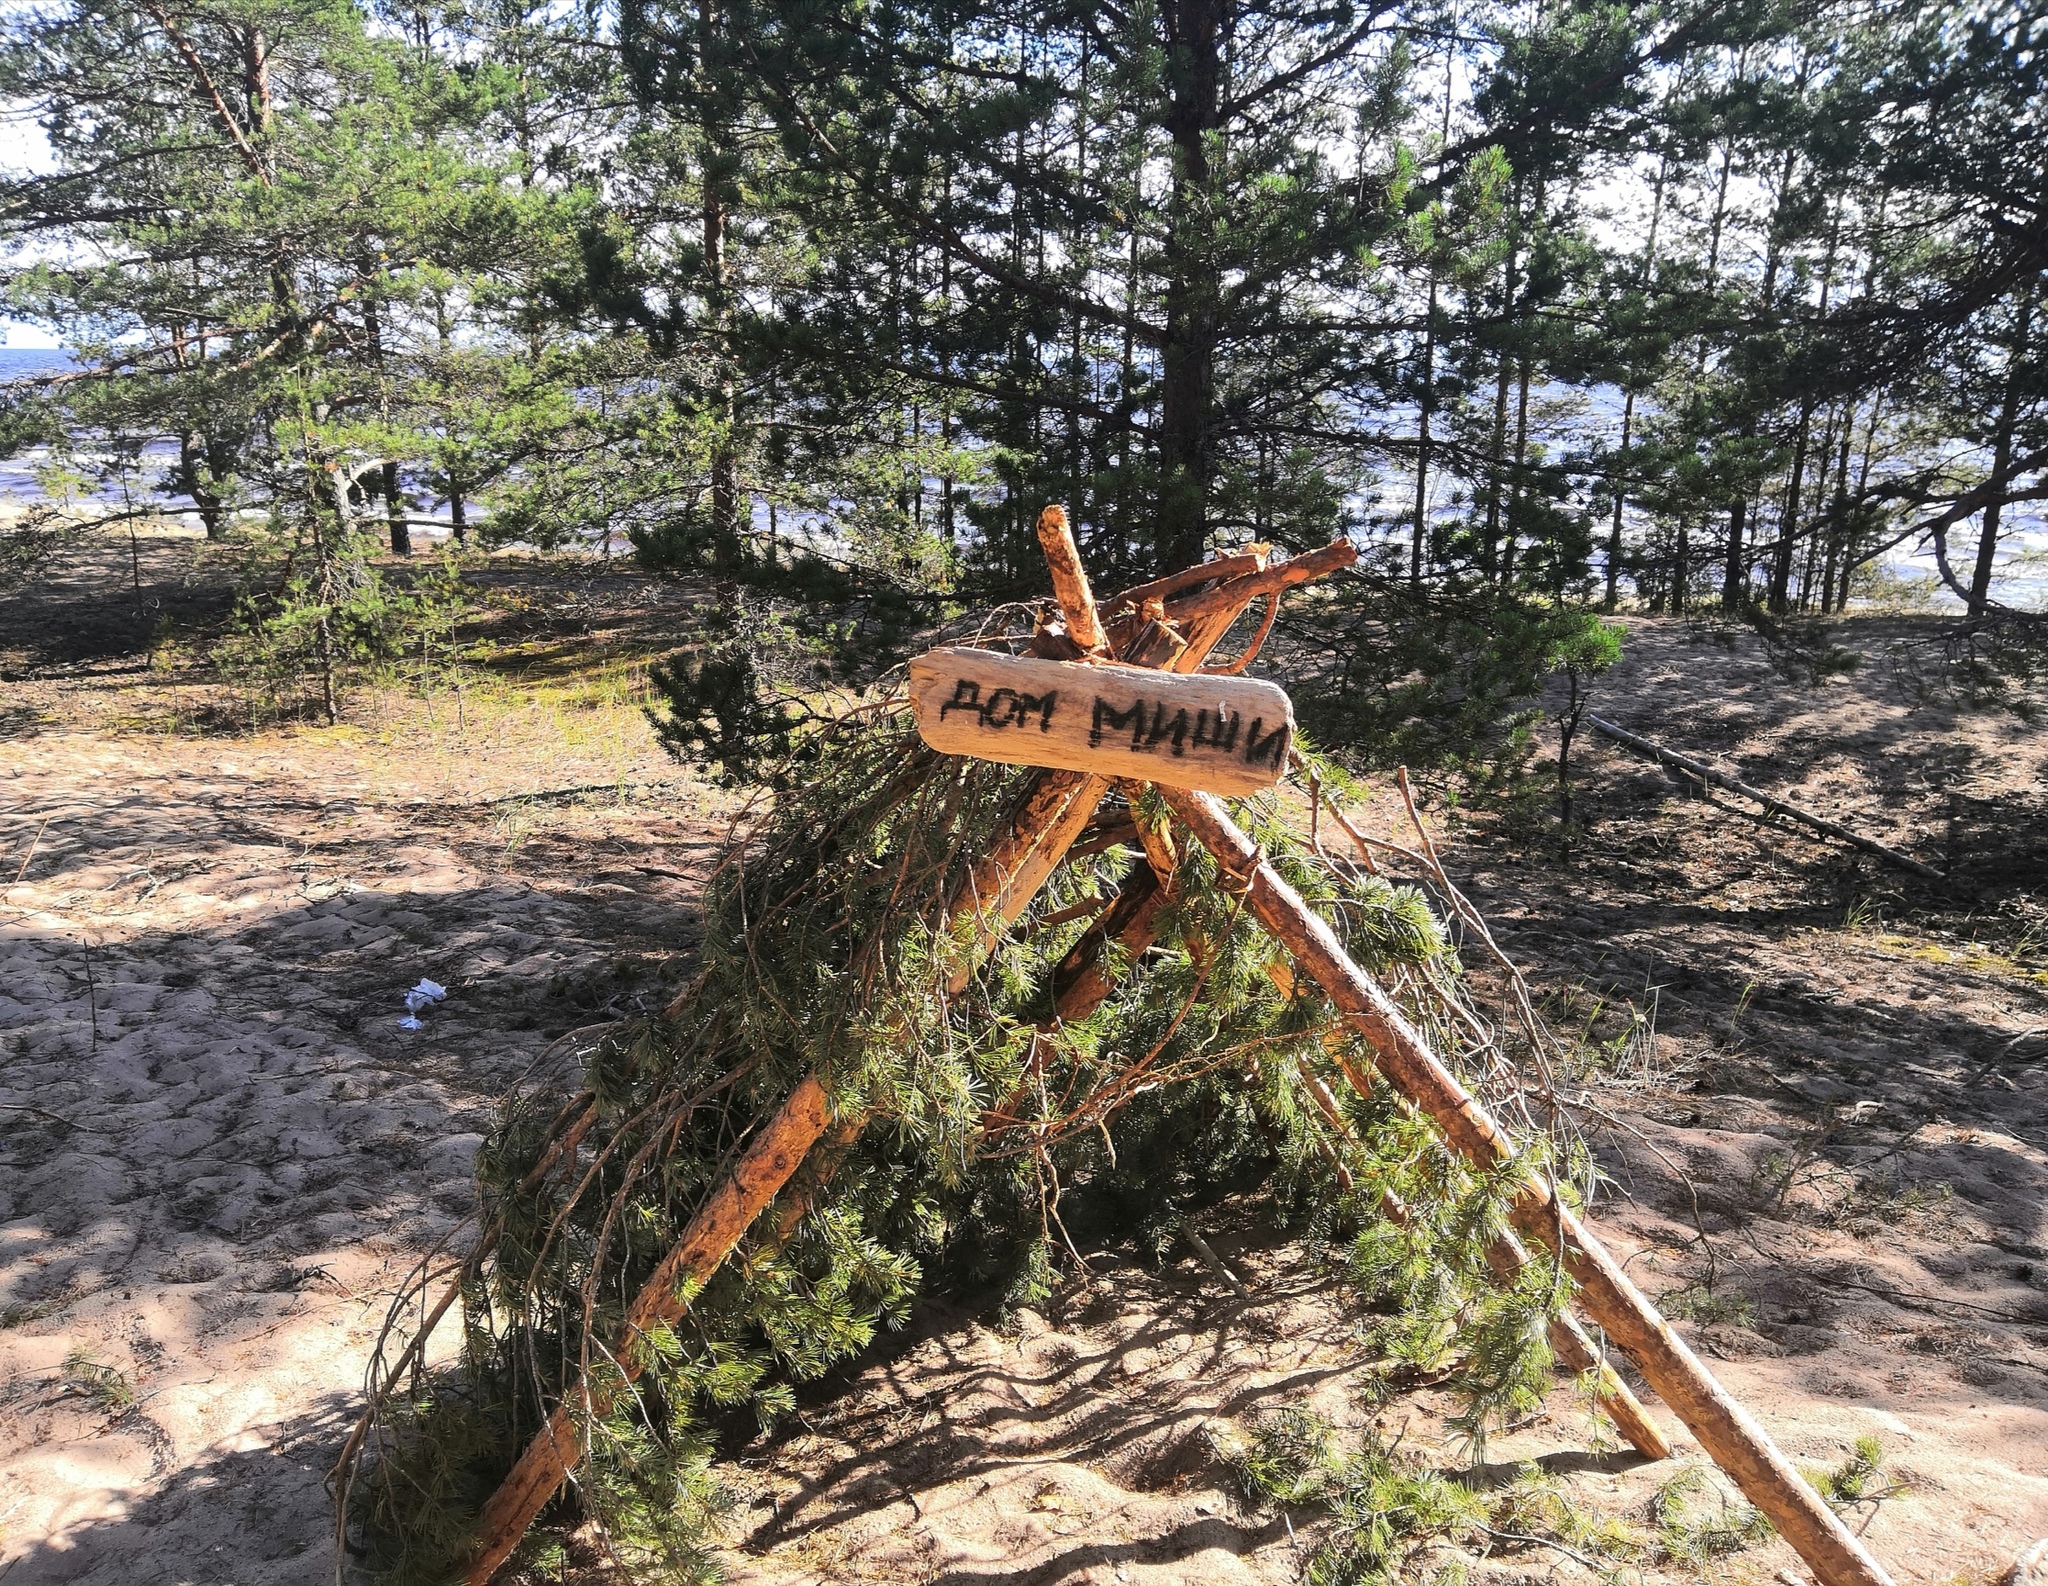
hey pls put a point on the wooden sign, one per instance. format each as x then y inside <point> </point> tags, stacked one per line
<point>1218,734</point>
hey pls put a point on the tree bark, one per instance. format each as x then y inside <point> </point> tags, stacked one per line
<point>394,511</point>
<point>2001,454</point>
<point>1187,353</point>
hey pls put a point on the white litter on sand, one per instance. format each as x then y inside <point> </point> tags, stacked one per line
<point>424,995</point>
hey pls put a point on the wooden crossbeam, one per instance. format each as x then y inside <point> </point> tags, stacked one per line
<point>1506,1255</point>
<point>1727,1431</point>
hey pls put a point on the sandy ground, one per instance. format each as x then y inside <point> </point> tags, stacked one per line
<point>219,1151</point>
<point>1830,1150</point>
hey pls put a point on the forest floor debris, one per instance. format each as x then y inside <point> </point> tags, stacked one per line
<point>218,1155</point>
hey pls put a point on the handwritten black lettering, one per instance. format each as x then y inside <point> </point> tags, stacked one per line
<point>1175,728</point>
<point>966,696</point>
<point>1001,709</point>
<point>1217,729</point>
<point>1271,749</point>
<point>1108,719</point>
<point>1006,707</point>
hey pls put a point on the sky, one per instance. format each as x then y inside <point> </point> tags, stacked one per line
<point>23,149</point>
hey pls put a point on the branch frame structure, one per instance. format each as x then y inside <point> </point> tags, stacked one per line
<point>784,1165</point>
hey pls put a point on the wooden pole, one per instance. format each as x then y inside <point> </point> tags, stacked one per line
<point>1777,806</point>
<point>775,1153</point>
<point>1726,1430</point>
<point>1070,582</point>
<point>1234,594</point>
<point>1506,1255</point>
<point>997,888</point>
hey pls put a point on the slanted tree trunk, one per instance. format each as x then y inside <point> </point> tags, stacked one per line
<point>2001,453</point>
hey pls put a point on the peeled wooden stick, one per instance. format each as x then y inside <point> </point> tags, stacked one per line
<point>1070,581</point>
<point>1209,572</point>
<point>998,887</point>
<point>775,1153</point>
<point>1505,1255</point>
<point>1080,981</point>
<point>1006,878</point>
<point>1728,1432</point>
<point>1154,835</point>
<point>1234,594</point>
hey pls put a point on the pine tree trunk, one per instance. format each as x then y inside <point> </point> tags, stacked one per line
<point>2001,454</point>
<point>1419,550</point>
<point>1628,414</point>
<point>725,525</point>
<point>1427,407</point>
<point>1489,549</point>
<point>1735,580</point>
<point>1518,468</point>
<point>1788,523</point>
<point>1849,549</point>
<point>1628,405</point>
<point>1187,354</point>
<point>394,512</point>
<point>1781,569</point>
<point>1698,423</point>
<point>1814,535</point>
<point>1735,572</point>
<point>725,463</point>
<point>1838,508</point>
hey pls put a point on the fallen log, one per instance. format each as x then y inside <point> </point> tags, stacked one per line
<point>1777,806</point>
<point>1727,1431</point>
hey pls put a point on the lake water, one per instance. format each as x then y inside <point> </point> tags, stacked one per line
<point>2021,579</point>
